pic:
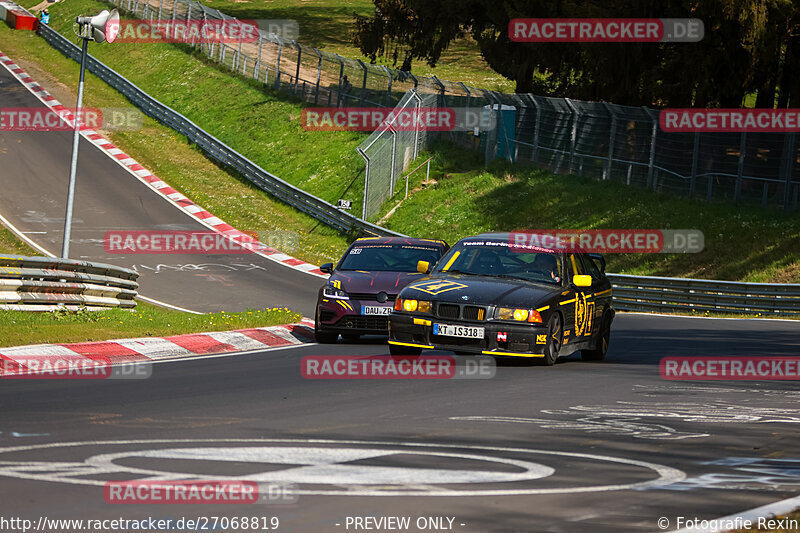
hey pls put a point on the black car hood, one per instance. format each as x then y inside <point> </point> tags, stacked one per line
<point>482,290</point>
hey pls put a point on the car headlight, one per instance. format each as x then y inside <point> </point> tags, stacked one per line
<point>410,305</point>
<point>332,292</point>
<point>519,315</point>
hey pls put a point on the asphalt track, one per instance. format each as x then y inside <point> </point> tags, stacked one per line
<point>723,447</point>
<point>34,170</point>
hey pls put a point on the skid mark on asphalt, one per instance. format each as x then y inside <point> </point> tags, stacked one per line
<point>630,418</point>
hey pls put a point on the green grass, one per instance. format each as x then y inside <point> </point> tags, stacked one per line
<point>270,134</point>
<point>328,25</point>
<point>741,243</point>
<point>18,328</point>
<point>10,244</point>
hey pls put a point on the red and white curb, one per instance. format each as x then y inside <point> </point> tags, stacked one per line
<point>145,349</point>
<point>159,186</point>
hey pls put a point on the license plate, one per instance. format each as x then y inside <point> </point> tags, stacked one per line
<point>375,310</point>
<point>449,330</point>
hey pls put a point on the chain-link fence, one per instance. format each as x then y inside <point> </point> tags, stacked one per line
<point>597,139</point>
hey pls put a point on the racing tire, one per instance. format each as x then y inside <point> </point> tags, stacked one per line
<point>394,349</point>
<point>603,338</point>
<point>555,338</point>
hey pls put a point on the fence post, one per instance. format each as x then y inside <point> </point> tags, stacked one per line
<point>416,83</point>
<point>788,169</point>
<point>363,82</point>
<point>366,183</point>
<point>737,191</point>
<point>416,128</point>
<point>469,97</point>
<point>136,6</point>
<point>257,66</point>
<point>537,123</point>
<point>341,76</point>
<point>651,162</point>
<point>695,155</point>
<point>387,98</point>
<point>612,137</point>
<point>174,14</point>
<point>319,73</point>
<point>441,91</point>
<point>394,156</point>
<point>188,19</point>
<point>239,48</point>
<point>297,71</point>
<point>160,8</point>
<point>278,65</point>
<point>574,136</point>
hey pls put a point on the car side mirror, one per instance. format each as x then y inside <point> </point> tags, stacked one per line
<point>423,267</point>
<point>601,260</point>
<point>582,280</point>
<point>327,268</point>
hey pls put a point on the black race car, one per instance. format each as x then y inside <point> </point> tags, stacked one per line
<point>488,296</point>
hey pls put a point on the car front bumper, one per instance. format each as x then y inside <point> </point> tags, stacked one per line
<point>345,316</point>
<point>520,340</point>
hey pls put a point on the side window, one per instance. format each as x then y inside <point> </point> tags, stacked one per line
<point>590,268</point>
<point>575,266</point>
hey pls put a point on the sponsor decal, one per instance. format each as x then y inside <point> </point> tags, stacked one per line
<point>542,338</point>
<point>437,287</point>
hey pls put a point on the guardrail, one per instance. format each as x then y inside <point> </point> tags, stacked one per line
<point>216,149</point>
<point>650,293</point>
<point>46,283</point>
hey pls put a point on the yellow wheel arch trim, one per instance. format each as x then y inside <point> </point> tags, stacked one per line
<point>487,352</point>
<point>396,343</point>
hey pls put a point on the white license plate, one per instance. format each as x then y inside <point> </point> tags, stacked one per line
<point>449,330</point>
<point>375,310</point>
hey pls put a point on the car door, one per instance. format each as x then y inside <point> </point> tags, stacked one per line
<point>582,302</point>
<point>597,295</point>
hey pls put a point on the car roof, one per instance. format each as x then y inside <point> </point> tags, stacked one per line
<point>400,240</point>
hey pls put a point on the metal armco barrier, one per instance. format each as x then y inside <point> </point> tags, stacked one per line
<point>650,293</point>
<point>46,283</point>
<point>217,150</point>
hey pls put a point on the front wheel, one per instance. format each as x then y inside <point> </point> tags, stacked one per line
<point>555,337</point>
<point>603,338</point>
<point>395,349</point>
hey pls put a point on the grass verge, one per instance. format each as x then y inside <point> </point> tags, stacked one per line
<point>169,155</point>
<point>741,243</point>
<point>10,244</point>
<point>17,328</point>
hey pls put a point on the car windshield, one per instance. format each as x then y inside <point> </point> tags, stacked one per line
<point>495,258</point>
<point>388,257</point>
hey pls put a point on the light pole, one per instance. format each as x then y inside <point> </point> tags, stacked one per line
<point>100,28</point>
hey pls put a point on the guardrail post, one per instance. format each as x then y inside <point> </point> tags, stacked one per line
<point>612,137</point>
<point>363,83</point>
<point>737,191</point>
<point>387,98</point>
<point>695,155</point>
<point>788,158</point>
<point>297,70</point>
<point>574,136</point>
<point>366,183</point>
<point>278,66</point>
<point>652,160</point>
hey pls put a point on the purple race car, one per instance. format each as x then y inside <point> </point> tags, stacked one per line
<point>360,293</point>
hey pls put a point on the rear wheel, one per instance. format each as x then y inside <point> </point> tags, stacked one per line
<point>603,338</point>
<point>322,336</point>
<point>394,349</point>
<point>555,337</point>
